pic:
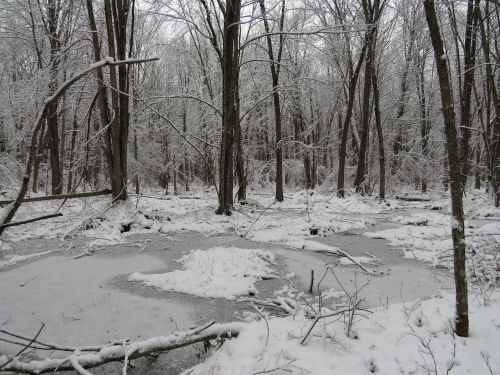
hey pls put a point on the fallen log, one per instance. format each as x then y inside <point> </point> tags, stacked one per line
<point>413,199</point>
<point>121,351</point>
<point>30,220</point>
<point>62,196</point>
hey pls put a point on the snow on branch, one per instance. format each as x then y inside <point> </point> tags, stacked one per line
<point>9,211</point>
<point>80,360</point>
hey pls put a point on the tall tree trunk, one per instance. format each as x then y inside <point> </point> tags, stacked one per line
<point>380,135</point>
<point>492,145</point>
<point>398,140</point>
<point>371,17</point>
<point>230,73</point>
<point>457,227</point>
<point>121,16</point>
<point>477,179</point>
<point>354,74</point>
<point>184,130</point>
<point>52,110</point>
<point>424,117</point>
<point>102,96</point>
<point>275,71</point>
<point>174,172</point>
<point>465,105</point>
<point>240,162</point>
<point>136,158</point>
<point>37,156</point>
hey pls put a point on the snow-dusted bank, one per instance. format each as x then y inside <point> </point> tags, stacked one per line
<point>410,338</point>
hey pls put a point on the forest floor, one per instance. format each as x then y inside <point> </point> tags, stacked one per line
<point>162,264</point>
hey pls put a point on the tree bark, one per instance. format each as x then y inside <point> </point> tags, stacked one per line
<point>354,73</point>
<point>371,18</point>
<point>492,145</point>
<point>457,228</point>
<point>468,79</point>
<point>230,73</point>
<point>380,135</point>
<point>275,71</point>
<point>52,110</point>
<point>102,95</point>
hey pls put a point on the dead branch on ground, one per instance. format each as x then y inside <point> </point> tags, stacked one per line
<point>30,220</point>
<point>85,358</point>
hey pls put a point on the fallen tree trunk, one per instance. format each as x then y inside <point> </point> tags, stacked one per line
<point>30,220</point>
<point>121,351</point>
<point>413,199</point>
<point>62,196</point>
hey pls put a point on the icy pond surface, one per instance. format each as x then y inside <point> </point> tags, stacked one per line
<point>88,300</point>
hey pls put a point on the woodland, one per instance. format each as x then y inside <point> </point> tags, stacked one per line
<point>270,121</point>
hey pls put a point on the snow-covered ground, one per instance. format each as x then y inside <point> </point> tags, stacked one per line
<point>410,338</point>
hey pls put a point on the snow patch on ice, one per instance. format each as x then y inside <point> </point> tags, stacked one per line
<point>220,272</point>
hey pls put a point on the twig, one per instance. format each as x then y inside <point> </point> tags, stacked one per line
<point>337,312</point>
<point>275,369</point>
<point>25,348</point>
<point>258,217</point>
<point>263,317</point>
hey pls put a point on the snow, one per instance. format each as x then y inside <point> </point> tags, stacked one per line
<point>427,237</point>
<point>399,338</point>
<point>221,272</point>
<point>392,340</point>
<point>366,260</point>
<point>13,259</point>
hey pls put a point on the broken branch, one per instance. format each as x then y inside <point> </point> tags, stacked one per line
<point>117,352</point>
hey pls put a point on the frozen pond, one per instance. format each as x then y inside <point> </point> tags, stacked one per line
<point>88,300</point>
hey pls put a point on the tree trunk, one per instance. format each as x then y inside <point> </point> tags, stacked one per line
<point>457,228</point>
<point>230,73</point>
<point>398,140</point>
<point>465,107</point>
<point>102,96</point>
<point>136,153</point>
<point>186,167</point>
<point>174,172</point>
<point>492,145</point>
<point>52,119</point>
<point>275,71</point>
<point>380,135</point>
<point>37,156</point>
<point>347,120</point>
<point>240,163</point>
<point>371,17</point>
<point>424,120</point>
<point>121,16</point>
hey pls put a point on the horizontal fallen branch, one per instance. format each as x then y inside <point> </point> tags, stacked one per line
<point>119,352</point>
<point>166,198</point>
<point>62,196</point>
<point>413,199</point>
<point>282,304</point>
<point>30,220</point>
<point>342,253</point>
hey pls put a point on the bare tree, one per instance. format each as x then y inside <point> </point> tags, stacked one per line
<point>457,228</point>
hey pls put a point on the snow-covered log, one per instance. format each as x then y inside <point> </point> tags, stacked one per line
<point>119,352</point>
